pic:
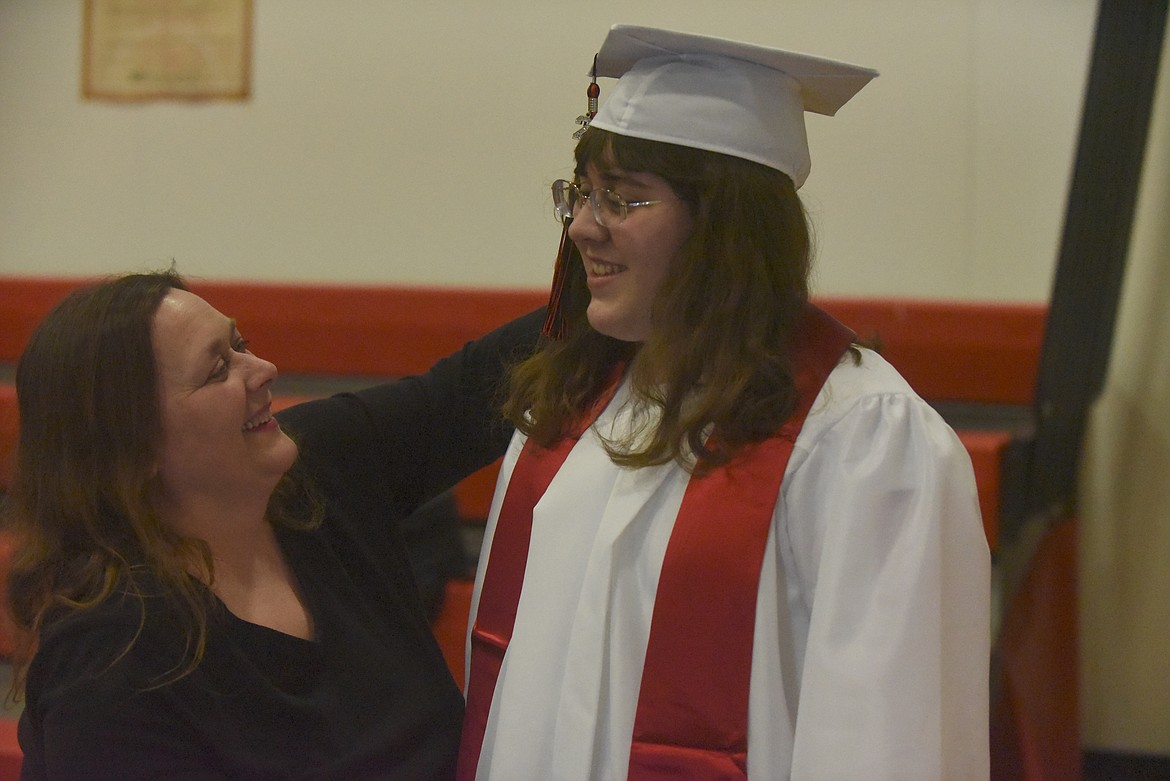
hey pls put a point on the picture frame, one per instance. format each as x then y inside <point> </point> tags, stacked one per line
<point>151,50</point>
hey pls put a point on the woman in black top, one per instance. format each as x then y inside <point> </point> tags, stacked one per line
<point>194,609</point>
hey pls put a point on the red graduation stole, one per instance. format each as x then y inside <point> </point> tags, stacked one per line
<point>691,720</point>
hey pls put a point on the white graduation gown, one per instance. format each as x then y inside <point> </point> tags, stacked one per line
<point>872,635</point>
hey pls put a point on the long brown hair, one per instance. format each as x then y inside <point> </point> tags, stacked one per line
<point>80,507</point>
<point>716,354</point>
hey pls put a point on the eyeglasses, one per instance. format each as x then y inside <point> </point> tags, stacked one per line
<point>609,208</point>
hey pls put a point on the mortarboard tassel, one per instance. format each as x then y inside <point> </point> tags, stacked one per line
<point>554,321</point>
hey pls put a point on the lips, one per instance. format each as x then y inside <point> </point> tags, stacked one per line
<point>260,419</point>
<point>599,268</point>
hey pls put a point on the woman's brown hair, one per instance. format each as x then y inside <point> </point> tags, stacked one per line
<point>716,357</point>
<point>80,504</point>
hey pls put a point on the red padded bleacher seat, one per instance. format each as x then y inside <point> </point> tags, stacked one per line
<point>9,427</point>
<point>986,450</point>
<point>450,626</point>
<point>1035,710</point>
<point>11,757</point>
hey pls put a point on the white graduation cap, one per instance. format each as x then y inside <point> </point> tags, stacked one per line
<point>720,95</point>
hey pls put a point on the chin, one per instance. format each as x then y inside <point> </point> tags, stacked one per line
<point>286,454</point>
<point>618,328</point>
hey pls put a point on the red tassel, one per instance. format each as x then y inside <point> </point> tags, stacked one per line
<point>554,321</point>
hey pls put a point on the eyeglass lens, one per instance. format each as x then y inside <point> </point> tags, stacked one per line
<point>608,207</point>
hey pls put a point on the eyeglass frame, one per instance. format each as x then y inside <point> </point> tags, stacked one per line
<point>623,206</point>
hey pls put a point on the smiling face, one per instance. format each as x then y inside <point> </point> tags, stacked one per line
<point>220,443</point>
<point>625,265</point>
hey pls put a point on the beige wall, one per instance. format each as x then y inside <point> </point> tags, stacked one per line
<point>412,141</point>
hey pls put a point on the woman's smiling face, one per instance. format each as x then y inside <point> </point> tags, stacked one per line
<point>625,265</point>
<point>220,441</point>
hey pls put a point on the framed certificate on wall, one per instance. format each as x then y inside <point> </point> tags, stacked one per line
<point>144,50</point>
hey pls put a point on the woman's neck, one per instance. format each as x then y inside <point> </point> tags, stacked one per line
<point>250,574</point>
<point>254,580</point>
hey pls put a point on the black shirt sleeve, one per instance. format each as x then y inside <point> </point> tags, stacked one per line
<point>397,444</point>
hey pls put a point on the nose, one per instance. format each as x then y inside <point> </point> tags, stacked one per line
<point>260,372</point>
<point>585,228</point>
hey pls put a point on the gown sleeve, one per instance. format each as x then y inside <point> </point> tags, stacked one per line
<point>893,575</point>
<point>400,443</point>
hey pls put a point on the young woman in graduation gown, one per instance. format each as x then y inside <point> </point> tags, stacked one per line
<point>726,542</point>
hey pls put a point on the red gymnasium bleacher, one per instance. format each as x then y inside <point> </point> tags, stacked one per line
<point>961,356</point>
